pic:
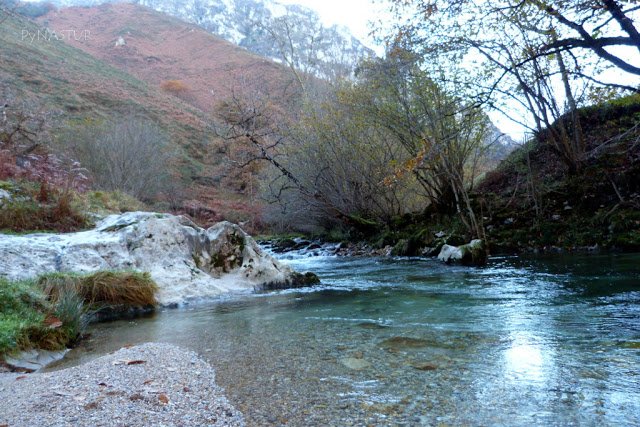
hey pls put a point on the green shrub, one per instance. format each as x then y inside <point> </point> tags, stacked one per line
<point>21,312</point>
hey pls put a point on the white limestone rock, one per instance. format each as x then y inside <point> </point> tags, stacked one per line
<point>187,262</point>
<point>473,253</point>
<point>34,360</point>
<point>5,196</point>
<point>450,254</point>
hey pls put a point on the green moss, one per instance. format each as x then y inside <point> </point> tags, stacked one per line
<point>196,260</point>
<point>628,241</point>
<point>474,253</point>
<point>217,261</point>
<point>238,241</point>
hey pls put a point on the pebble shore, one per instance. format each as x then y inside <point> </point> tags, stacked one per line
<point>151,384</point>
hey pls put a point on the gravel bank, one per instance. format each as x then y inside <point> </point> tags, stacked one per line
<point>151,384</point>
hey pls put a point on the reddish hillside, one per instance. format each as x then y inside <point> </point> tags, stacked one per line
<point>184,61</point>
<point>178,57</point>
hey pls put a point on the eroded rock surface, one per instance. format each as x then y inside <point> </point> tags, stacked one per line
<point>187,262</point>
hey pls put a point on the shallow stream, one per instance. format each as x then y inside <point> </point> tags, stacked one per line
<point>524,341</point>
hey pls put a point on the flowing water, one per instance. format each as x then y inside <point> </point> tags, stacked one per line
<point>524,341</point>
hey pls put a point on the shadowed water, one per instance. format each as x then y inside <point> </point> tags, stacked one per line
<point>525,341</point>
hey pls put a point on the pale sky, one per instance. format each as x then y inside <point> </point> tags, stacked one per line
<point>356,15</point>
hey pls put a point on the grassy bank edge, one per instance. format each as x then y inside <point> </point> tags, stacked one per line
<point>51,312</point>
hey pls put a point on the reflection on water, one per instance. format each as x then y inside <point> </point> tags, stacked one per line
<point>536,341</point>
<point>525,360</point>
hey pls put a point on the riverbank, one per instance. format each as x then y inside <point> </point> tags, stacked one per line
<point>150,384</point>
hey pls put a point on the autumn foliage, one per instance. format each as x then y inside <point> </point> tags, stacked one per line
<point>175,87</point>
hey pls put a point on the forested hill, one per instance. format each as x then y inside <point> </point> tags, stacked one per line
<point>393,149</point>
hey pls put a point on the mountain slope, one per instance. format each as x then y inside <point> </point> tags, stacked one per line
<point>165,52</point>
<point>245,23</point>
<point>56,77</point>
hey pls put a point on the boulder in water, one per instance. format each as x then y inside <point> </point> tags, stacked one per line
<point>473,253</point>
<point>354,363</point>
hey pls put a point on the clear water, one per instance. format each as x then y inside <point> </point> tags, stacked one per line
<point>538,341</point>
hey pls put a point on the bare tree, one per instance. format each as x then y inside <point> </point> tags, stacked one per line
<point>24,126</point>
<point>129,155</point>
<point>440,131</point>
<point>327,161</point>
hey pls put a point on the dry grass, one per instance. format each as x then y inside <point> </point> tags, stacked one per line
<point>133,289</point>
<point>105,202</point>
<point>58,214</point>
<point>106,288</point>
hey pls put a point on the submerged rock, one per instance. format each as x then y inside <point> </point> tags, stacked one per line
<point>354,363</point>
<point>186,261</point>
<point>372,325</point>
<point>424,366</point>
<point>402,343</point>
<point>474,253</point>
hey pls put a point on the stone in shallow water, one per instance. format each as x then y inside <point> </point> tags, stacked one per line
<point>354,363</point>
<point>32,360</point>
<point>631,344</point>
<point>401,343</point>
<point>424,366</point>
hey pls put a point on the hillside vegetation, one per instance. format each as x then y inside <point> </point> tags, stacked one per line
<point>159,77</point>
<point>49,75</point>
<point>531,199</point>
<point>394,150</point>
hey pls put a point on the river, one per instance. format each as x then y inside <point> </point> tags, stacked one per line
<point>524,341</point>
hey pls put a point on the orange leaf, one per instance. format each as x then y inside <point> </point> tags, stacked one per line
<point>163,398</point>
<point>52,322</point>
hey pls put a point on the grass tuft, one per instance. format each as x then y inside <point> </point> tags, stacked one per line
<point>52,311</point>
<point>103,289</point>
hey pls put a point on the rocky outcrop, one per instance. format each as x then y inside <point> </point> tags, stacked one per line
<point>187,262</point>
<point>474,253</point>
